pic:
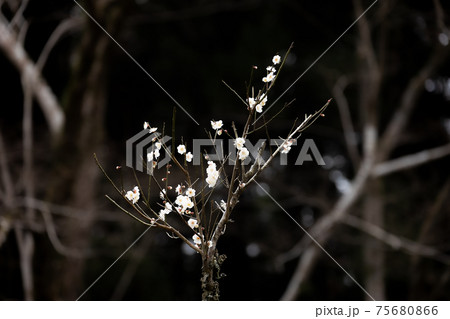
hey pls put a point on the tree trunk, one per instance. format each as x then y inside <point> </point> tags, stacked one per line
<point>211,262</point>
<point>373,248</point>
<point>75,173</point>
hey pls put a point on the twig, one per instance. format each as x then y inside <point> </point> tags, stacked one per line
<point>6,175</point>
<point>346,119</point>
<point>235,93</point>
<point>410,161</point>
<point>64,27</point>
<point>396,242</point>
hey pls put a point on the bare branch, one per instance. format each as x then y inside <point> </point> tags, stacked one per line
<point>64,27</point>
<point>410,161</point>
<point>322,230</point>
<point>18,20</point>
<point>396,242</point>
<point>25,244</point>
<point>27,128</point>
<point>53,237</point>
<point>60,210</point>
<point>408,101</point>
<point>16,53</point>
<point>346,119</point>
<point>6,175</point>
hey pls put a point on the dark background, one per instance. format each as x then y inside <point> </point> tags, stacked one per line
<point>189,47</point>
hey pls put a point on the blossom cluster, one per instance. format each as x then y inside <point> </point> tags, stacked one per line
<point>260,101</point>
<point>165,211</point>
<point>287,146</point>
<point>156,152</point>
<point>133,195</point>
<point>257,103</point>
<point>153,156</point>
<point>184,202</point>
<point>271,69</point>
<point>217,125</point>
<point>243,151</point>
<point>213,174</point>
<point>182,150</point>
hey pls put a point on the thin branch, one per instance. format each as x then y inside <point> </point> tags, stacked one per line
<point>6,175</point>
<point>25,245</point>
<point>64,27</point>
<point>397,242</point>
<point>408,101</point>
<point>56,243</point>
<point>17,55</point>
<point>346,119</point>
<point>60,210</point>
<point>18,16</point>
<point>410,161</point>
<point>27,128</point>
<point>235,93</point>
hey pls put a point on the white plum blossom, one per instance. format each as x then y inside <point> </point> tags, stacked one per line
<point>270,69</point>
<point>276,59</point>
<point>180,200</point>
<point>189,156</point>
<point>150,129</point>
<point>263,100</point>
<point>189,203</point>
<point>216,125</point>
<point>158,145</point>
<point>163,213</point>
<point>213,174</point>
<point>168,207</point>
<point>162,194</point>
<point>133,195</point>
<point>243,153</point>
<point>183,203</point>
<point>287,146</point>
<point>239,143</point>
<point>150,157</point>
<point>197,239</point>
<point>190,192</point>
<point>212,179</point>
<point>193,223</point>
<point>211,167</point>
<point>156,153</point>
<point>181,149</point>
<point>251,102</point>
<point>269,77</point>
<point>179,189</point>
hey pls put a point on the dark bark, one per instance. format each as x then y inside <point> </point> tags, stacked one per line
<point>211,263</point>
<point>75,173</point>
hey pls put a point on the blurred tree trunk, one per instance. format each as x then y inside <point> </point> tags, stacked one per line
<point>370,79</point>
<point>374,249</point>
<point>75,175</point>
